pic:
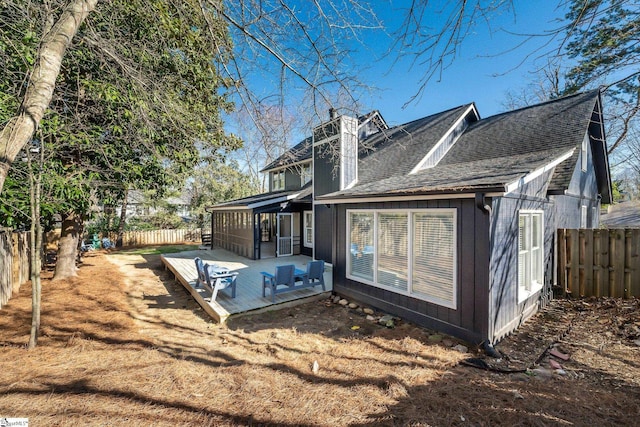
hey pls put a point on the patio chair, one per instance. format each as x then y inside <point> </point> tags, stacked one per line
<point>284,276</point>
<point>215,278</point>
<point>315,273</point>
<point>218,279</point>
<point>202,280</point>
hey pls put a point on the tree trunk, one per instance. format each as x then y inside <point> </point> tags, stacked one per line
<point>36,249</point>
<point>19,130</point>
<point>68,247</point>
<point>123,218</point>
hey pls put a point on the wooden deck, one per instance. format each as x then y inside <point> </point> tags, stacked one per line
<point>248,285</point>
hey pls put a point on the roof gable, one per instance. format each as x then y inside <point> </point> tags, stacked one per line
<point>539,128</point>
<point>299,153</point>
<point>492,154</point>
<point>368,125</point>
<point>398,150</point>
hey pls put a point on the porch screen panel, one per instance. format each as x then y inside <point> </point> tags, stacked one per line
<point>433,261</point>
<point>393,266</point>
<point>362,254</point>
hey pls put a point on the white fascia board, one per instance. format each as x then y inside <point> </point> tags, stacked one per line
<point>272,201</point>
<point>287,166</point>
<point>536,173</point>
<point>420,164</point>
<point>230,208</point>
<point>256,204</point>
<point>374,199</point>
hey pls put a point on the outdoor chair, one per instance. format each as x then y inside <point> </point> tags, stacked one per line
<point>315,273</point>
<point>215,278</point>
<point>284,276</point>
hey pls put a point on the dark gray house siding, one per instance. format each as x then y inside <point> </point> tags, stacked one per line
<point>582,191</point>
<point>506,311</point>
<point>469,319</point>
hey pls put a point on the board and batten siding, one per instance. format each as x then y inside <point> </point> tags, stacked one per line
<point>506,312</point>
<point>468,320</point>
<point>582,191</point>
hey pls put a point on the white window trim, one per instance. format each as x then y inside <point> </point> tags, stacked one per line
<point>277,177</point>
<point>304,229</point>
<point>306,177</point>
<point>583,216</point>
<point>584,152</point>
<point>410,233</point>
<point>525,291</point>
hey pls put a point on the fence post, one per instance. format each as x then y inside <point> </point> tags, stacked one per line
<point>16,264</point>
<point>562,262</point>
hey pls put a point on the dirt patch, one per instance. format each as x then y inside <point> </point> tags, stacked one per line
<point>124,344</point>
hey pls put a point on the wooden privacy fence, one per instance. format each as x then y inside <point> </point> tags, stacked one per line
<point>599,262</point>
<point>14,263</point>
<point>158,237</point>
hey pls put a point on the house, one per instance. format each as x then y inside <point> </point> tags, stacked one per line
<point>140,205</point>
<point>448,221</point>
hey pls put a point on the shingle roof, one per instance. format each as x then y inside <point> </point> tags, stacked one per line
<point>302,151</point>
<point>491,153</point>
<point>397,150</point>
<point>298,153</point>
<point>301,195</point>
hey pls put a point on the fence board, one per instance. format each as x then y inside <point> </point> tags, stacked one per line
<point>158,237</point>
<point>573,255</point>
<point>599,262</point>
<point>14,263</point>
<point>617,263</point>
<point>562,261</point>
<point>587,248</point>
<point>634,263</point>
<point>604,262</point>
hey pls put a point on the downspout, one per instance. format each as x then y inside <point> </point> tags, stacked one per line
<point>481,203</point>
<point>484,206</point>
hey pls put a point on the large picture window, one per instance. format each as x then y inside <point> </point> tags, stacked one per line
<point>530,253</point>
<point>411,252</point>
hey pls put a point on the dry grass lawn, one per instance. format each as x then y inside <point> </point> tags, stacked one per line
<point>122,344</point>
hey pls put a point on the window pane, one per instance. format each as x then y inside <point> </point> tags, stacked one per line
<point>433,256</point>
<point>361,245</point>
<point>523,251</point>
<point>536,250</point>
<point>392,250</point>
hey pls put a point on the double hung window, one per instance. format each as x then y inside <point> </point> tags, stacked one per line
<point>530,253</point>
<point>277,182</point>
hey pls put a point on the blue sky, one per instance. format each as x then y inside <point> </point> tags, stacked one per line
<point>489,64</point>
<point>491,61</point>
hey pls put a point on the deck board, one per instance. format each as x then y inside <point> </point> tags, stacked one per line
<point>249,282</point>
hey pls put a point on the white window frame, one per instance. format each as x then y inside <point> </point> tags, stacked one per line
<point>583,216</point>
<point>531,284</point>
<point>410,239</point>
<point>305,242</point>
<point>584,152</point>
<point>306,174</point>
<point>277,180</point>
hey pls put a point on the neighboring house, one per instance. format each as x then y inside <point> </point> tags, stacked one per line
<point>138,205</point>
<point>448,221</point>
